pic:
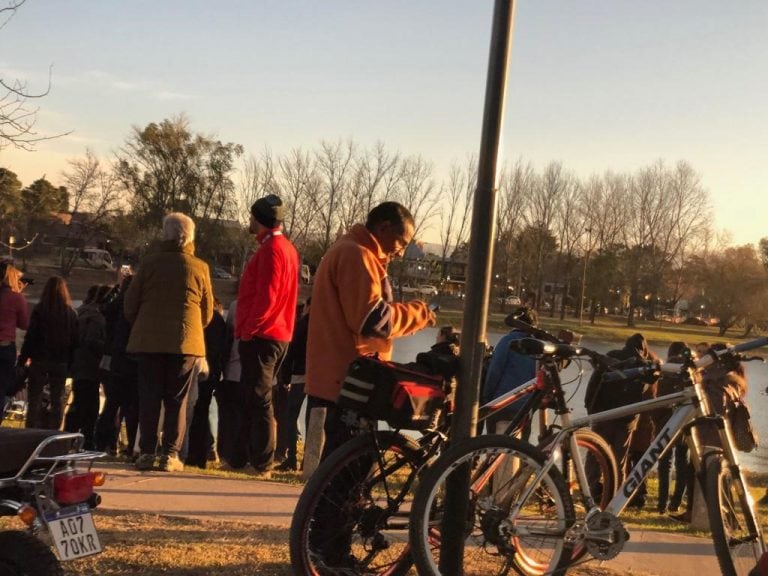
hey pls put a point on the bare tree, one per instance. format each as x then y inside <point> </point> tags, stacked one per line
<point>334,165</point>
<point>570,227</point>
<point>300,186</point>
<point>94,196</point>
<point>257,179</point>
<point>516,186</point>
<point>417,191</point>
<point>667,210</point>
<point>373,172</point>
<point>543,208</point>
<point>457,207</point>
<point>17,114</point>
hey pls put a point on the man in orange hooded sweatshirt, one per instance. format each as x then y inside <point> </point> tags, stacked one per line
<point>353,312</point>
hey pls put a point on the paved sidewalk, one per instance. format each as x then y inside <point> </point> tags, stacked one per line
<point>198,496</point>
<point>211,497</point>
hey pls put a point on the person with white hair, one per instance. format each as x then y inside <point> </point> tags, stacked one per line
<point>169,303</point>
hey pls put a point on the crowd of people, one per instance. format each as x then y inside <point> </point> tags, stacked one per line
<point>161,348</point>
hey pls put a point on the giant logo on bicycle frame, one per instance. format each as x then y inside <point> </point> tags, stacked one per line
<point>647,462</point>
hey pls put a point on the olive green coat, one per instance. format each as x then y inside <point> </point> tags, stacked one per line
<point>169,302</point>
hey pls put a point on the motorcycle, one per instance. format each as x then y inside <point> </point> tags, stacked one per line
<point>46,481</point>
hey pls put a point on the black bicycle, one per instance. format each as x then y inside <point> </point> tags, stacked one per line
<point>353,514</point>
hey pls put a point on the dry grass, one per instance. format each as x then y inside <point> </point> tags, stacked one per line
<point>154,545</point>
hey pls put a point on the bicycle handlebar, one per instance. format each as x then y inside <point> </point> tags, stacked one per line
<point>716,356</point>
<point>535,347</point>
<point>561,351</point>
<point>565,336</point>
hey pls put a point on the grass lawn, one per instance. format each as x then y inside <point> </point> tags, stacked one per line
<point>609,328</point>
<point>155,545</point>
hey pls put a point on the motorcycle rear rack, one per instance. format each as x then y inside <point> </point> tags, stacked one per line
<point>36,461</point>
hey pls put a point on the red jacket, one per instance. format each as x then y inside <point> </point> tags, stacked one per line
<point>266,299</point>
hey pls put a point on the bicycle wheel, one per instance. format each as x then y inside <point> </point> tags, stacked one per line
<point>604,472</point>
<point>514,522</point>
<point>736,531</point>
<point>352,516</point>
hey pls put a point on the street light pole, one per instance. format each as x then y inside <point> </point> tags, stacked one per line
<point>11,240</point>
<point>584,276</point>
<point>473,334</point>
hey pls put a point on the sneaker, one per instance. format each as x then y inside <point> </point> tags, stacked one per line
<point>171,464</point>
<point>145,462</point>
<point>684,517</point>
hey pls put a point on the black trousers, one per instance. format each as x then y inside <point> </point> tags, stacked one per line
<point>42,413</point>
<point>618,434</point>
<point>260,360</point>
<point>84,410</point>
<point>234,423</point>
<point>200,435</point>
<point>121,389</point>
<point>164,381</point>
<point>7,373</point>
<point>288,427</point>
<point>680,450</point>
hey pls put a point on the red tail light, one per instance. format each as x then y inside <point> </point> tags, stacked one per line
<point>73,487</point>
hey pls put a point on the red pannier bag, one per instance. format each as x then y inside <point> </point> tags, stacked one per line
<point>403,397</point>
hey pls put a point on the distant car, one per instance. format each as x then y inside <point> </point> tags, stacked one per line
<point>408,289</point>
<point>219,273</point>
<point>427,290</point>
<point>694,321</point>
<point>512,301</point>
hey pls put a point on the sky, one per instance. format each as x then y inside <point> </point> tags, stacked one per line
<point>596,84</point>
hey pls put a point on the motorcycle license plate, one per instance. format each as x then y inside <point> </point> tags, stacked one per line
<point>73,532</point>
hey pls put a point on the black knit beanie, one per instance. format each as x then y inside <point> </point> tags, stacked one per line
<point>268,211</point>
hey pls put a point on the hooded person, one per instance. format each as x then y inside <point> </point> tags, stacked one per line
<point>508,370</point>
<point>618,432</point>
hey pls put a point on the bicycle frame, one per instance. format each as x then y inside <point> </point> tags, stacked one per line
<point>690,407</point>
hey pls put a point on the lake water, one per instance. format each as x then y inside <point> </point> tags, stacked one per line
<point>757,377</point>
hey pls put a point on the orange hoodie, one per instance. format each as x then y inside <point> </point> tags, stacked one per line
<point>351,285</point>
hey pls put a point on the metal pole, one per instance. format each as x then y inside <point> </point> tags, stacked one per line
<point>473,334</point>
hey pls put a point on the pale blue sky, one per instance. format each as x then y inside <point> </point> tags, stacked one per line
<point>609,84</point>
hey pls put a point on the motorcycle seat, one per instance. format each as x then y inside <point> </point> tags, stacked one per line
<point>18,444</point>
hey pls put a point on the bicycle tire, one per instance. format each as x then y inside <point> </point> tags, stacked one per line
<point>736,532</point>
<point>495,543</point>
<point>343,503</point>
<point>596,447</point>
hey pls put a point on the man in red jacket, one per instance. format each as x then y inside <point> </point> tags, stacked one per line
<point>266,311</point>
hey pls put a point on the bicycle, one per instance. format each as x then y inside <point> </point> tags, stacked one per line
<point>526,521</point>
<point>366,488</point>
